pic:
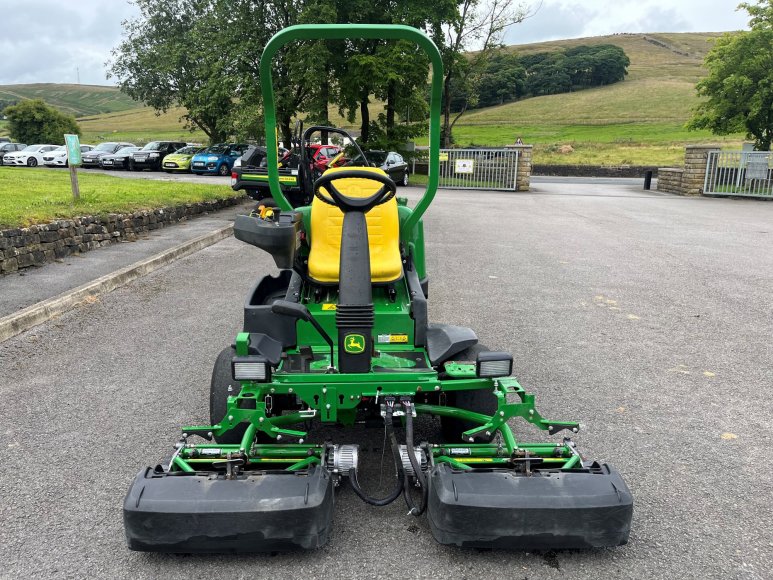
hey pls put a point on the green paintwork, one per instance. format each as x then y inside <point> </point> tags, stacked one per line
<point>399,367</point>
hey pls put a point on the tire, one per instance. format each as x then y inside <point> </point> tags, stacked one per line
<point>131,165</point>
<point>223,170</point>
<point>32,162</point>
<point>218,395</point>
<point>476,400</point>
<point>404,182</point>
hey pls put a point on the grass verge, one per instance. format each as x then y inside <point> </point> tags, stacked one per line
<point>32,196</point>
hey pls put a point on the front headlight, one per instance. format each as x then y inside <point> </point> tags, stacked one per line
<point>212,158</point>
<point>494,364</point>
<point>251,368</point>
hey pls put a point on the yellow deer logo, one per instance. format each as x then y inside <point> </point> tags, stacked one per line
<point>354,343</point>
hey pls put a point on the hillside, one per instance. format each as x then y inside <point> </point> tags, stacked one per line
<point>78,100</point>
<point>638,120</point>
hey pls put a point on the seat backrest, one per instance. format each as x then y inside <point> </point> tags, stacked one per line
<point>383,232</point>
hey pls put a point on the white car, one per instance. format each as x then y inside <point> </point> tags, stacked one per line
<point>58,157</point>
<point>31,156</point>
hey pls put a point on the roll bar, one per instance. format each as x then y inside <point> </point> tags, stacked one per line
<point>341,32</point>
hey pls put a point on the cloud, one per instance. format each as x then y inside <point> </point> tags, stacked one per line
<point>558,19</point>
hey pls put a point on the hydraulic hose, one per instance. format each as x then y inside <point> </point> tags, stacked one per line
<point>416,511</point>
<point>395,493</point>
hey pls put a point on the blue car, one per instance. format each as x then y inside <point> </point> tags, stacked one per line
<point>218,159</point>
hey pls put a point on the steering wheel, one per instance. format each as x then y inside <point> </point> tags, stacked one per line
<point>345,203</point>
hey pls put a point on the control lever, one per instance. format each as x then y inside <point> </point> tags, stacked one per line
<point>300,312</point>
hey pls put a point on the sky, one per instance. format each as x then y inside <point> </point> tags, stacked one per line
<point>55,41</point>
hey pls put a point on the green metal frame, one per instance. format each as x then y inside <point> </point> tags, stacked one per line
<point>334,398</point>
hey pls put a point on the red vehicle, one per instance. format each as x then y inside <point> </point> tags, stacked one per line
<point>321,155</point>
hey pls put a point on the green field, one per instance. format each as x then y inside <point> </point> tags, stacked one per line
<point>638,121</point>
<point>31,196</point>
<point>78,100</point>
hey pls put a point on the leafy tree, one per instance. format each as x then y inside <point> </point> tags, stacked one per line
<point>739,87</point>
<point>32,121</point>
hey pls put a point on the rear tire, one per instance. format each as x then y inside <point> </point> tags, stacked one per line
<point>477,400</point>
<point>218,396</point>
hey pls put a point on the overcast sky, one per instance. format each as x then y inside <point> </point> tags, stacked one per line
<point>45,41</point>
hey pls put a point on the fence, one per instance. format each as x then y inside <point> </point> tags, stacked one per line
<point>492,169</point>
<point>739,173</point>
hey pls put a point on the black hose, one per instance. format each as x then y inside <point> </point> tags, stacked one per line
<point>395,493</point>
<point>417,511</point>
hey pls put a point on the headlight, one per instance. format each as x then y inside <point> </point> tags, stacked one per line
<point>251,368</point>
<point>494,364</point>
<point>212,158</point>
<point>154,154</point>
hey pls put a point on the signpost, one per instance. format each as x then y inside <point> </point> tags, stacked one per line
<point>73,160</point>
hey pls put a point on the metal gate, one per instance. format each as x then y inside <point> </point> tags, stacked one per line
<point>739,173</point>
<point>492,169</point>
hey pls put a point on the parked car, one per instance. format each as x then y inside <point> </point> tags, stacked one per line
<point>218,159</point>
<point>390,161</point>
<point>180,160</point>
<point>91,159</point>
<point>58,157</point>
<point>322,155</point>
<point>119,159</point>
<point>31,155</point>
<point>8,147</point>
<point>151,155</point>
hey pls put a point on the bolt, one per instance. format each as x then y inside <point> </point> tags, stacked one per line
<point>488,433</point>
<point>230,389</point>
<point>327,406</point>
<point>278,437</point>
<point>531,411</point>
<point>351,397</point>
<point>324,390</point>
<point>290,390</point>
<point>437,388</point>
<point>300,440</point>
<point>261,419</point>
<point>185,435</point>
<point>230,418</point>
<point>472,439</point>
<point>273,389</point>
<point>209,433</point>
<point>501,413</point>
<point>575,429</point>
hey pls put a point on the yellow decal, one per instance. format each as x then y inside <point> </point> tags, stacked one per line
<point>443,156</point>
<point>393,339</point>
<point>354,343</point>
<point>328,307</point>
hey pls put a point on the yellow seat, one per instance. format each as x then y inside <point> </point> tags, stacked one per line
<point>383,232</point>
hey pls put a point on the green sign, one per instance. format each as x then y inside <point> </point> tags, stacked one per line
<point>73,145</point>
<point>354,343</point>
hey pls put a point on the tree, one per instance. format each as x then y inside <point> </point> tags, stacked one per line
<point>481,22</point>
<point>169,57</point>
<point>738,90</point>
<point>32,121</point>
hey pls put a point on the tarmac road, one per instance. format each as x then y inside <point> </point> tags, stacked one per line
<point>646,317</point>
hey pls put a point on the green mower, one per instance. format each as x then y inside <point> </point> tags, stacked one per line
<point>341,336</point>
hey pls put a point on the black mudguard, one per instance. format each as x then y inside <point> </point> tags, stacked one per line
<point>206,513</point>
<point>547,510</point>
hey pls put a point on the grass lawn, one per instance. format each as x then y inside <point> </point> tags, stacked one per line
<point>30,196</point>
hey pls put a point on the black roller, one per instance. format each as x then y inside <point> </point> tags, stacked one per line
<point>545,511</point>
<point>206,513</point>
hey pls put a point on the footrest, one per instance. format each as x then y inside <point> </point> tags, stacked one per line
<point>546,510</point>
<point>206,513</point>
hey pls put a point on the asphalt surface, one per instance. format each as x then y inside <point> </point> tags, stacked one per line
<point>646,317</point>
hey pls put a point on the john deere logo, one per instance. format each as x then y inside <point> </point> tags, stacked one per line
<point>354,343</point>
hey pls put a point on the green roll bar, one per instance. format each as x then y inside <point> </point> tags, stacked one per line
<point>341,32</point>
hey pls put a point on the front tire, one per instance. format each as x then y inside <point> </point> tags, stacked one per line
<point>223,170</point>
<point>404,182</point>
<point>476,400</point>
<point>32,162</point>
<point>218,396</point>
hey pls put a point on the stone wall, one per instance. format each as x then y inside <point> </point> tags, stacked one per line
<point>594,170</point>
<point>525,157</point>
<point>690,179</point>
<point>40,244</point>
